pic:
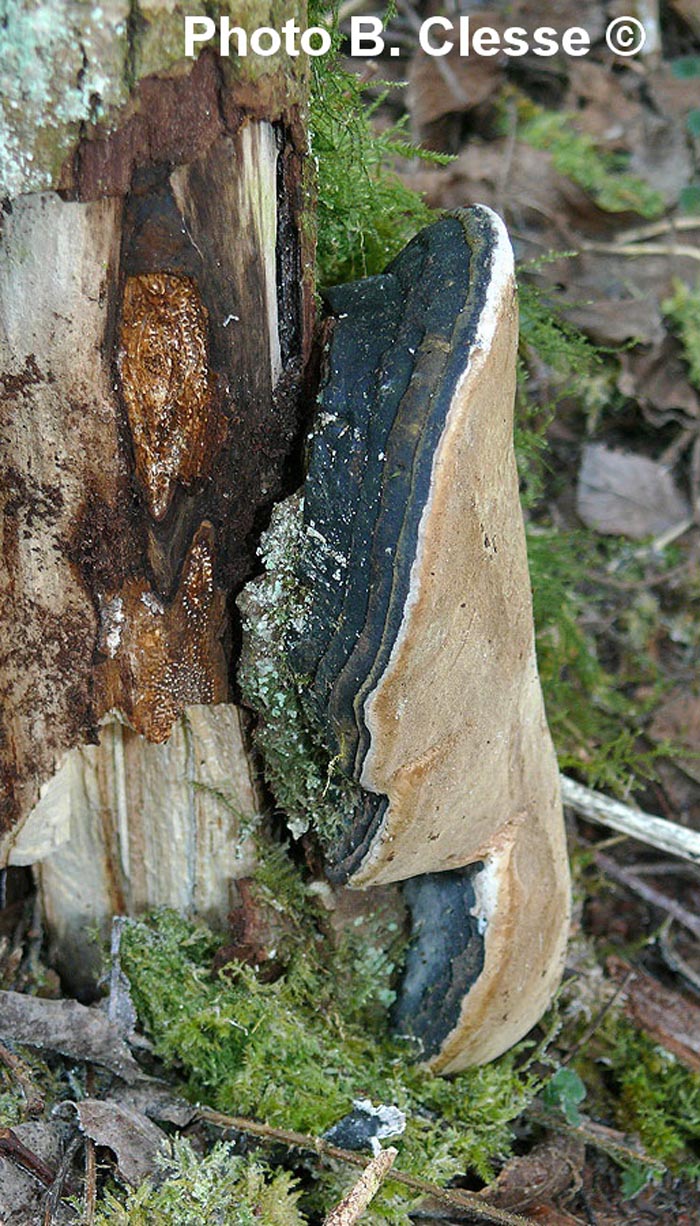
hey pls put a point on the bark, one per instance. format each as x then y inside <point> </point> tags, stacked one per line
<point>154,327</point>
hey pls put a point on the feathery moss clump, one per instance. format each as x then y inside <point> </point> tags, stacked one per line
<point>296,1052</point>
<point>683,309</point>
<point>365,214</point>
<point>577,156</point>
<point>648,1092</point>
<point>222,1187</point>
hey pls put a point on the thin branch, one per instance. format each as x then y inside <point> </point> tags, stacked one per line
<point>458,1198</point>
<point>642,889</point>
<point>636,585</point>
<point>55,1192</point>
<point>637,249</point>
<point>656,228</point>
<point>656,831</point>
<point>598,1135</point>
<point>90,1182</point>
<point>673,959</point>
<point>17,1151</point>
<point>352,1206</point>
<point>598,1019</point>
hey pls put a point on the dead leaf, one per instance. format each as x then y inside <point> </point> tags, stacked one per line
<point>451,85</point>
<point>601,103</point>
<point>69,1028</point>
<point>659,379</point>
<point>678,720</point>
<point>613,321</point>
<point>155,1100</point>
<point>623,494</point>
<point>549,1169</point>
<point>662,156</point>
<point>688,11</point>
<point>134,1139</point>
<point>522,182</point>
<point>667,1017</point>
<point>21,1193</point>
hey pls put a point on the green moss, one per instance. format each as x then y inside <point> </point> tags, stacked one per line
<point>648,1092</point>
<point>576,156</point>
<point>11,1107</point>
<point>221,1187</point>
<point>683,310</point>
<point>41,1081</point>
<point>297,1051</point>
<point>365,213</point>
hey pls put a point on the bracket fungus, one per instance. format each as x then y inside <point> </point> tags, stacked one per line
<point>410,639</point>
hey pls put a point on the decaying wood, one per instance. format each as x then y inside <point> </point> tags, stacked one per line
<point>141,825</point>
<point>668,1018</point>
<point>154,326</point>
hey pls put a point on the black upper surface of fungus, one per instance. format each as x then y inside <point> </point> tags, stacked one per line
<point>445,957</point>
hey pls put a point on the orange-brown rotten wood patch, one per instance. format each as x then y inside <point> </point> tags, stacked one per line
<point>160,657</point>
<point>169,393</point>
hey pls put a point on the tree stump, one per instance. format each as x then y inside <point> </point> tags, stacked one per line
<point>155,322</point>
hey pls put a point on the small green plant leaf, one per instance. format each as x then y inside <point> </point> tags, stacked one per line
<point>634,1179</point>
<point>686,67</point>
<point>692,121</point>
<point>689,198</point>
<point>565,1090</point>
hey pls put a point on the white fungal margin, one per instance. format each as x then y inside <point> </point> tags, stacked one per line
<point>486,889</point>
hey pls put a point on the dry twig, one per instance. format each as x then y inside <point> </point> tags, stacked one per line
<point>18,1152</point>
<point>608,1140</point>
<point>656,831</point>
<point>55,1192</point>
<point>642,889</point>
<point>458,1198</point>
<point>639,249</point>
<point>90,1182</point>
<point>656,228</point>
<point>352,1206</point>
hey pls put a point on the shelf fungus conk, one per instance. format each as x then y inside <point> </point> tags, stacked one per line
<point>411,642</point>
